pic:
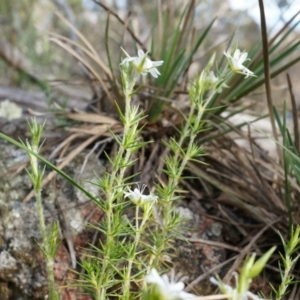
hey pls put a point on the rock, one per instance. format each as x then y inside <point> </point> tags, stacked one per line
<point>22,265</point>
<point>192,259</point>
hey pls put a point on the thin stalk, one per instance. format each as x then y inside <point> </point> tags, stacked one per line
<point>132,255</point>
<point>49,260</point>
<point>51,283</point>
<point>116,177</point>
<point>174,181</point>
<point>41,216</point>
<point>36,178</point>
<point>185,133</point>
<point>201,110</point>
<point>138,232</point>
<point>267,72</point>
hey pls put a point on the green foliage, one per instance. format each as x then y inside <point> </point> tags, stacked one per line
<point>135,245</point>
<point>177,49</point>
<point>289,259</point>
<point>291,162</point>
<point>50,235</point>
<point>249,270</point>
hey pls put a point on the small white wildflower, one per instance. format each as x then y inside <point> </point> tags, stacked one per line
<point>169,289</point>
<point>143,64</point>
<point>212,81</point>
<point>236,62</point>
<point>232,292</point>
<point>137,197</point>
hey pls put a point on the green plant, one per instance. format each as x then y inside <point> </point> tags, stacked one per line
<point>120,259</point>
<point>249,270</point>
<point>49,235</point>
<point>291,248</point>
<point>145,237</point>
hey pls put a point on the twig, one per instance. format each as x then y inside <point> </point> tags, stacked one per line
<point>267,71</point>
<point>246,251</point>
<point>206,274</point>
<point>70,16</point>
<point>215,244</point>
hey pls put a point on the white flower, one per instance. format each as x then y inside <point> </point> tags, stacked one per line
<point>233,293</point>
<point>143,64</point>
<point>169,289</point>
<point>236,62</point>
<point>137,197</point>
<point>212,78</point>
<point>212,81</point>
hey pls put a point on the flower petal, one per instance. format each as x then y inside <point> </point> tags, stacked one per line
<point>237,54</point>
<point>141,53</point>
<point>142,64</point>
<point>236,62</point>
<point>243,57</point>
<point>154,72</point>
<point>168,289</point>
<point>157,63</point>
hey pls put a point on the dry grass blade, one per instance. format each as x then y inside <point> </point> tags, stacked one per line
<point>65,142</point>
<point>88,130</point>
<point>295,115</point>
<point>125,25</point>
<point>245,252</point>
<point>215,244</point>
<point>85,63</point>
<point>69,13</point>
<point>90,54</point>
<point>91,118</point>
<point>78,33</point>
<point>264,173</point>
<point>267,71</point>
<point>209,272</point>
<point>250,183</point>
<point>273,198</point>
<point>234,195</point>
<point>295,294</point>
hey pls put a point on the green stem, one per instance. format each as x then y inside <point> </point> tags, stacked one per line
<point>50,260</point>
<point>98,294</point>
<point>132,255</point>
<point>116,179</point>
<point>138,232</point>
<point>52,292</point>
<point>41,216</point>
<point>285,279</point>
<point>174,181</point>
